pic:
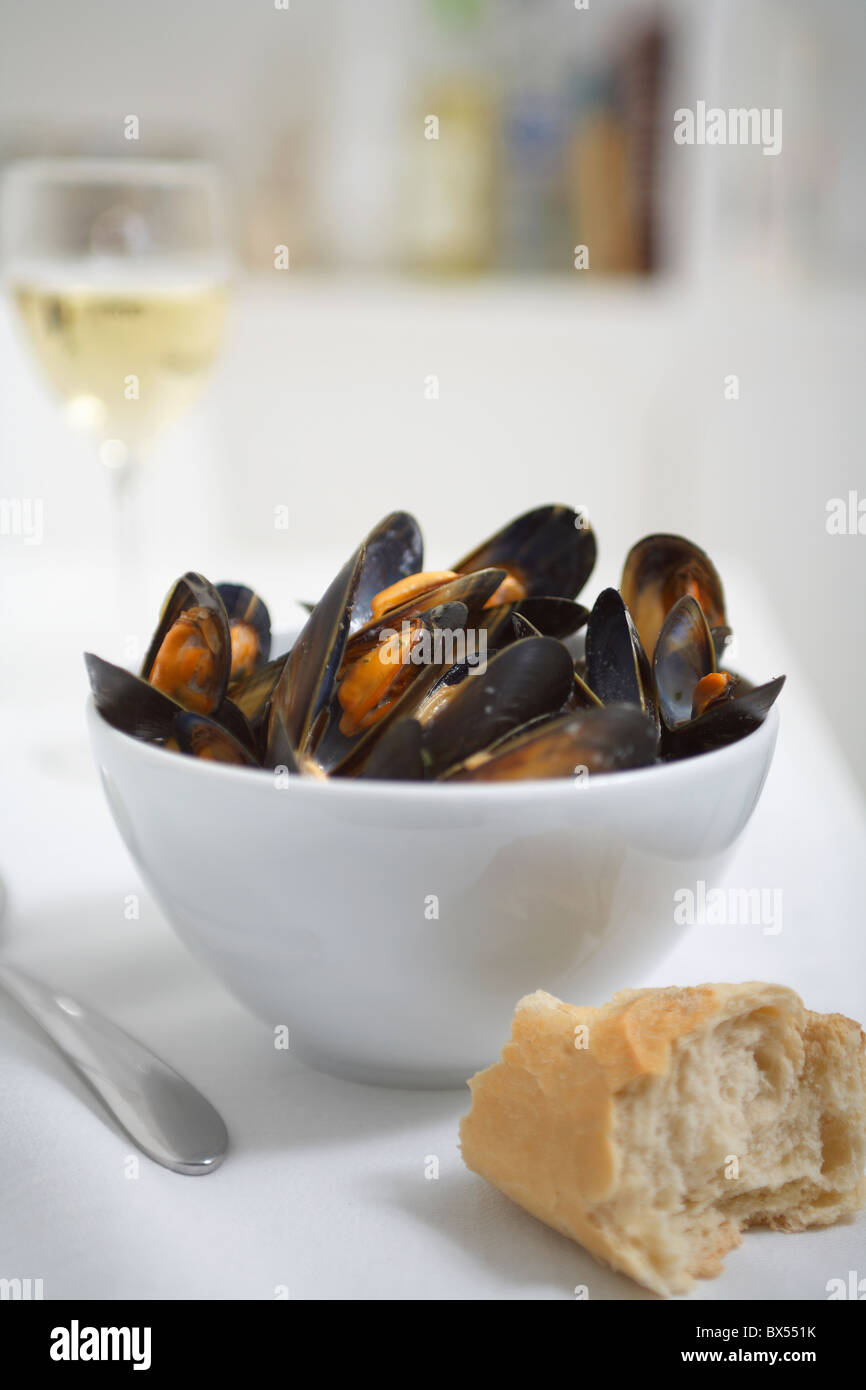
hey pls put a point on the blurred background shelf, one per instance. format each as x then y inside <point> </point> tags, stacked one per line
<point>555,125</point>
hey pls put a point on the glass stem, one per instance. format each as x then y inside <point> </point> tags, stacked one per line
<point>128,578</point>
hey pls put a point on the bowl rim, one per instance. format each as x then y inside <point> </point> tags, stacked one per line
<point>753,746</point>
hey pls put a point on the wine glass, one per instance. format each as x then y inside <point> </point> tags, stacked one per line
<point>119,269</point>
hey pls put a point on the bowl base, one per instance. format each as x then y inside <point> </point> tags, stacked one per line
<point>392,1078</point>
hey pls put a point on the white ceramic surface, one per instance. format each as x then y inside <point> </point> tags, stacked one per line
<point>314,901</point>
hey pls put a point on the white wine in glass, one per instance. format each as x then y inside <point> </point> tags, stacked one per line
<point>119,270</point>
<point>127,358</point>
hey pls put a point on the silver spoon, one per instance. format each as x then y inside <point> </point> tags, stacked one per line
<point>161,1112</point>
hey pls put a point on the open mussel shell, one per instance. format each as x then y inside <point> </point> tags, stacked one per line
<point>471,590</point>
<point>128,703</point>
<point>661,569</point>
<point>617,669</point>
<point>345,755</point>
<point>189,657</point>
<point>394,549</point>
<point>578,745</point>
<point>368,686</point>
<point>204,738</point>
<point>684,654</point>
<point>249,628</point>
<point>547,552</point>
<point>531,678</point>
<point>723,723</point>
<point>304,691</point>
<point>350,758</point>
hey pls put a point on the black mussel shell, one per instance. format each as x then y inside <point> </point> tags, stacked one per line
<point>128,703</point>
<point>235,722</point>
<point>522,627</point>
<point>394,550</point>
<point>532,677</point>
<point>247,614</point>
<point>659,570</point>
<point>279,751</point>
<point>684,654</point>
<point>723,723</point>
<point>194,591</point>
<point>608,739</point>
<point>550,551</point>
<point>304,691</point>
<point>547,616</point>
<point>204,738</point>
<point>398,757</point>
<point>554,617</point>
<point>617,670</point>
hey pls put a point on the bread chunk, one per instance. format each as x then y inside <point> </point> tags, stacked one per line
<point>654,1130</point>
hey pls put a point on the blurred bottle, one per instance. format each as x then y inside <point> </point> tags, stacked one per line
<point>643,73</point>
<point>533,224</point>
<point>601,210</point>
<point>448,192</point>
<point>279,199</point>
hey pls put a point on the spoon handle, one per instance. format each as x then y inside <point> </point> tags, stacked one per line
<point>161,1112</point>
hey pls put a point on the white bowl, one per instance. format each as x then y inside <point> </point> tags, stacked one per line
<point>315,902</point>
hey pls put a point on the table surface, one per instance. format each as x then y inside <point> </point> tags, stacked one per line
<point>327,1191</point>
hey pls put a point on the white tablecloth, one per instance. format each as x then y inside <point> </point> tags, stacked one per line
<point>324,1193</point>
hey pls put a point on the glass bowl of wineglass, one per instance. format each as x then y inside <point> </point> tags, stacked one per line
<point>119,270</point>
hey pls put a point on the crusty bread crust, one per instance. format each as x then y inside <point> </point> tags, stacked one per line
<point>544,1119</point>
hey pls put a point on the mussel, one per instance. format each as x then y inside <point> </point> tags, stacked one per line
<point>205,738</point>
<point>372,680</point>
<point>603,739</point>
<point>249,629</point>
<point>547,552</point>
<point>702,707</point>
<point>394,550</point>
<point>617,669</point>
<point>189,658</point>
<point>684,657</point>
<point>129,703</point>
<point>303,693</point>
<point>661,569</point>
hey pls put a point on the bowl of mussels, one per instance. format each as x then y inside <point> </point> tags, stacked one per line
<point>449,787</point>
